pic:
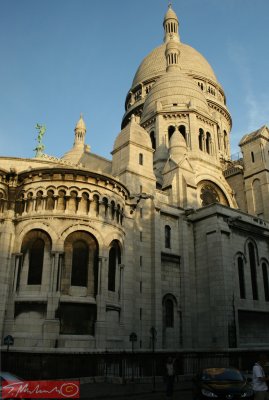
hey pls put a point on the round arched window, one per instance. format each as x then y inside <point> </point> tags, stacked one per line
<point>209,195</point>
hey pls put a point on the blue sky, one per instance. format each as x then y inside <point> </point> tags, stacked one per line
<point>63,57</point>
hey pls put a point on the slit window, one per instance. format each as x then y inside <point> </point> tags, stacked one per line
<point>253,271</point>
<point>167,233</point>
<point>201,136</point>
<point>265,281</point>
<point>241,277</point>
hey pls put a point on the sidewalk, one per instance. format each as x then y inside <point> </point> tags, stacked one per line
<point>116,389</point>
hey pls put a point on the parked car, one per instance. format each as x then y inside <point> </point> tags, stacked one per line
<point>221,383</point>
<point>7,377</point>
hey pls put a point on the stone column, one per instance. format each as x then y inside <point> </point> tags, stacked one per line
<point>121,267</point>
<point>54,271</point>
<point>102,266</point>
<point>34,204</point>
<point>59,272</point>
<point>78,204</point>
<point>100,325</point>
<point>17,271</point>
<point>53,295</point>
<point>51,326</point>
<point>6,245</point>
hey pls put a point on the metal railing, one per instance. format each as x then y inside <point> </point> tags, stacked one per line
<point>124,365</point>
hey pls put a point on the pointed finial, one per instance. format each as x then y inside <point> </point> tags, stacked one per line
<point>170,4</point>
<point>81,124</point>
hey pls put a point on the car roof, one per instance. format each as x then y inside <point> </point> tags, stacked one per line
<point>9,377</point>
<point>219,369</point>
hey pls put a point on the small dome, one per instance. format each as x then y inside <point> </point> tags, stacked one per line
<point>174,88</point>
<point>177,146</point>
<point>170,14</point>
<point>81,124</point>
<point>177,140</point>
<point>132,133</point>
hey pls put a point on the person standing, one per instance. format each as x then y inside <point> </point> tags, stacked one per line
<point>259,379</point>
<point>170,376</point>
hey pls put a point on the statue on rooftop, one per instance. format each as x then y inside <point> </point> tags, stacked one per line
<point>40,146</point>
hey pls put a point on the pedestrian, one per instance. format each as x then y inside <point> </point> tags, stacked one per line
<point>170,376</point>
<point>259,379</point>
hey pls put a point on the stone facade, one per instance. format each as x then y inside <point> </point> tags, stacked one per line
<point>170,233</point>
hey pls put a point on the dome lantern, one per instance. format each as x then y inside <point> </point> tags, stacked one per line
<point>170,24</point>
<point>80,131</point>
<point>172,53</point>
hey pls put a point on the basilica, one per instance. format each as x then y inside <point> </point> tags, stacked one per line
<point>167,241</point>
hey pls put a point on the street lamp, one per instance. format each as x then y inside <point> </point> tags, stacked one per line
<point>8,341</point>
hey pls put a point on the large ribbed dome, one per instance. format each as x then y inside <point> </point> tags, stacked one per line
<point>174,88</point>
<point>191,62</point>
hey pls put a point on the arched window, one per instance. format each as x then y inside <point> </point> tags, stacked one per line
<point>265,281</point>
<point>140,159</point>
<point>80,263</point>
<point>168,313</point>
<point>113,260</point>
<point>113,209</point>
<point>241,277</point>
<point>29,202</point>
<point>208,142</point>
<point>2,202</point>
<point>201,137</point>
<point>84,203</point>
<point>118,213</point>
<point>167,234</point>
<point>50,200</point>
<point>105,204</point>
<point>80,260</point>
<point>20,203</point>
<point>171,130</point>
<point>218,136</point>
<point>253,272</point>
<point>61,204</point>
<point>73,201</point>
<point>36,257</point>
<point>95,204</point>
<point>153,140</point>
